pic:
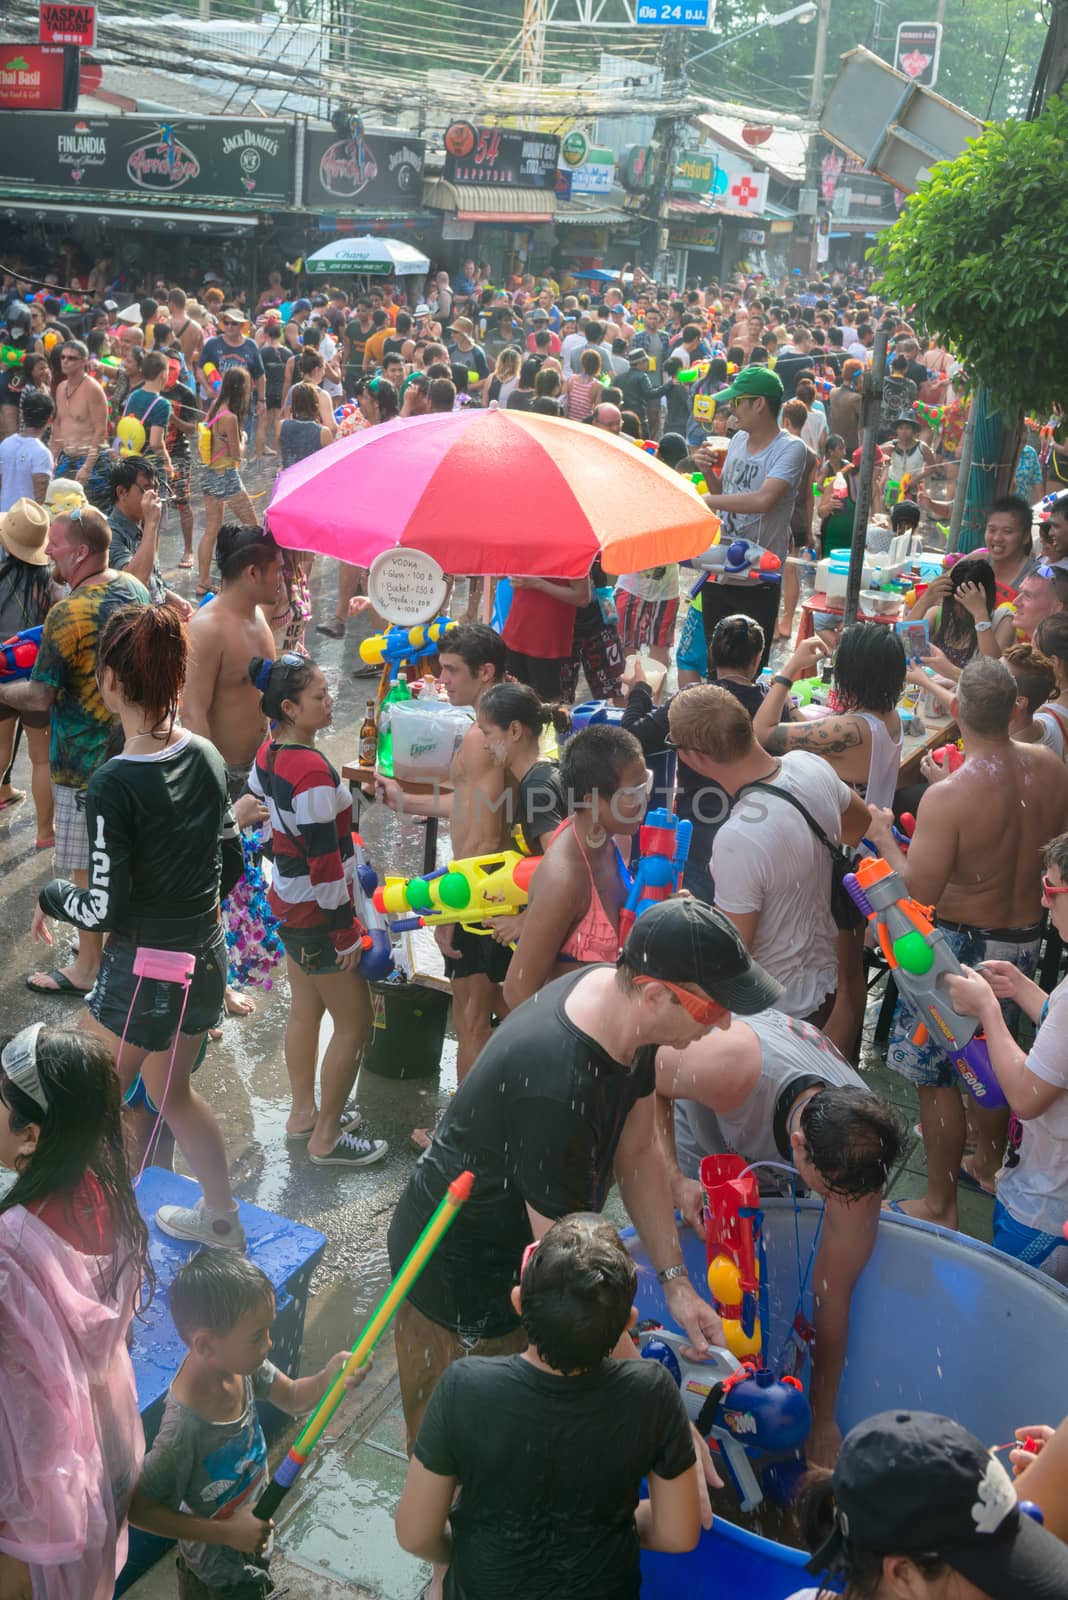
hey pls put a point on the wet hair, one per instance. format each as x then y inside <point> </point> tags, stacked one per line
<point>38,408</point>
<point>857,1570</point>
<point>506,703</point>
<point>1051,636</point>
<point>126,472</point>
<point>986,696</point>
<point>239,546</point>
<point>235,393</point>
<point>735,641</point>
<point>853,1139</point>
<point>904,513</point>
<point>214,1289</point>
<point>869,667</point>
<point>593,761</point>
<point>477,645</point>
<point>442,394</point>
<point>707,718</point>
<point>145,647</point>
<point>80,1132</point>
<point>1015,505</point>
<point>577,1292</point>
<point>528,372</point>
<point>304,402</point>
<point>672,449</point>
<point>956,627</point>
<point>1034,674</point>
<point>279,681</point>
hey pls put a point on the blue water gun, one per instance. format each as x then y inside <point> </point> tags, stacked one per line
<point>664,843</point>
<point>404,644</point>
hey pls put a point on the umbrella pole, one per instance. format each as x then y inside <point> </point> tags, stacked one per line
<point>489,590</point>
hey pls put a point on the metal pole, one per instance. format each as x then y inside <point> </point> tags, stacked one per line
<point>665,139</point>
<point>964,470</point>
<point>819,61</point>
<point>869,415</point>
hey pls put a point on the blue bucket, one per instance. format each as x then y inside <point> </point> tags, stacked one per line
<point>939,1322</point>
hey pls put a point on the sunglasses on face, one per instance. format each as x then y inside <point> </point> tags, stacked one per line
<point>635,791</point>
<point>1050,889</point>
<point>706,1012</point>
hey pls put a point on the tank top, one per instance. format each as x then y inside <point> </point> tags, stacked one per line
<point>791,1052</point>
<point>885,762</point>
<point>596,937</point>
<point>220,461</point>
<point>299,438</point>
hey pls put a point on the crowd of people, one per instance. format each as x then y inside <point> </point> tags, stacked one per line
<point>167,731</point>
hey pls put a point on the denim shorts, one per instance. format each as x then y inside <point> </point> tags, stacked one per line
<point>927,1065</point>
<point>151,1022</point>
<point>312,949</point>
<point>221,485</point>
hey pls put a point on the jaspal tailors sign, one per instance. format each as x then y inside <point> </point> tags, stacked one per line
<point>218,158</point>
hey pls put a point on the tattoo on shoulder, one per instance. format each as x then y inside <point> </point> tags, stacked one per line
<point>831,738</point>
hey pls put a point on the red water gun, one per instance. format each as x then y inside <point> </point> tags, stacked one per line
<point>19,653</point>
<point>732,1223</point>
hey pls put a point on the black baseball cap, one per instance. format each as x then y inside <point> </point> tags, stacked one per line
<point>911,1483</point>
<point>685,941</point>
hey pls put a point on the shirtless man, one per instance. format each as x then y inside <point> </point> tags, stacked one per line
<point>478,813</point>
<point>80,429</point>
<point>190,334</point>
<point>220,701</point>
<point>978,835</point>
<point>771,1088</point>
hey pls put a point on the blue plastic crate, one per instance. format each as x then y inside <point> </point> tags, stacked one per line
<point>286,1251</point>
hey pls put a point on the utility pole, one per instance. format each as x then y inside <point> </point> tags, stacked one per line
<point>815,105</point>
<point>532,42</point>
<point>869,421</point>
<point>819,62</point>
<point>665,144</point>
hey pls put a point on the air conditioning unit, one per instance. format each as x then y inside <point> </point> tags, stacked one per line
<point>807,202</point>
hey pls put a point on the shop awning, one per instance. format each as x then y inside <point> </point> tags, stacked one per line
<point>169,216</point>
<point>592,214</point>
<point>471,202</point>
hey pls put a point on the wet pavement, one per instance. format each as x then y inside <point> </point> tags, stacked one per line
<point>335,1533</point>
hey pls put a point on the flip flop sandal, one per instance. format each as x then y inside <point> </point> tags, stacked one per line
<point>60,984</point>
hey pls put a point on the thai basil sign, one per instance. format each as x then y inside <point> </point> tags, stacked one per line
<point>378,169</point>
<point>218,158</point>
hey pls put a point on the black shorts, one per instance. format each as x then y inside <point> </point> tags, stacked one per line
<point>480,956</point>
<point>547,678</point>
<point>153,1021</point>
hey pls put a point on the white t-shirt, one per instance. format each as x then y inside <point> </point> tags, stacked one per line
<point>328,350</point>
<point>574,341</point>
<point>1035,1191</point>
<point>766,858</point>
<point>1052,725</point>
<point>20,458</point>
<point>785,457</point>
<point>648,587</point>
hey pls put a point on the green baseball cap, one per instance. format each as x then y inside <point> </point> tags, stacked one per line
<point>753,381</point>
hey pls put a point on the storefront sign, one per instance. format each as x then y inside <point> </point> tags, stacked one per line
<point>217,158</point>
<point>751,235</point>
<point>695,172</point>
<point>68,24</point>
<point>730,180</point>
<point>500,155</point>
<point>379,169</point>
<point>697,235</point>
<point>575,148</point>
<point>406,586</point>
<point>596,175</point>
<point>33,77</point>
<point>919,45</point>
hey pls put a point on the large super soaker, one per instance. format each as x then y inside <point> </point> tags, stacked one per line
<point>19,653</point>
<point>423,1248</point>
<point>919,957</point>
<point>404,644</point>
<point>467,891</point>
<point>664,842</point>
<point>734,1247</point>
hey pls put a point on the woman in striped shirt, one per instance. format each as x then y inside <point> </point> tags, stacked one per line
<point>311,893</point>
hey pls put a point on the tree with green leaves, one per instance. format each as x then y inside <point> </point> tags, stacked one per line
<point>979,251</point>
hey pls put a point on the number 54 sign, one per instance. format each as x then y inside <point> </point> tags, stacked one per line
<point>673,13</point>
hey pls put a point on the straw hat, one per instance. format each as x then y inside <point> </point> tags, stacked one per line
<point>24,531</point>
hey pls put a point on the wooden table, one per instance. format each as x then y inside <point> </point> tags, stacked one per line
<point>940,731</point>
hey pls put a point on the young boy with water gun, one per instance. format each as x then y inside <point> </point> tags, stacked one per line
<point>208,1462</point>
<point>549,1447</point>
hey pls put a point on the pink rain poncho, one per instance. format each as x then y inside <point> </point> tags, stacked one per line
<point>71,1444</point>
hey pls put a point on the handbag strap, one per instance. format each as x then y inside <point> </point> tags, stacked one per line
<point>771,788</point>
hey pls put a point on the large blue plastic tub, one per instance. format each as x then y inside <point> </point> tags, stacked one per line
<point>939,1323</point>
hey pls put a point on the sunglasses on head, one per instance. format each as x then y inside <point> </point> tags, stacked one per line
<point>706,1012</point>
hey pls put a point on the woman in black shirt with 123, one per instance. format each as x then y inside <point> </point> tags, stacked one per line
<point>163,847</point>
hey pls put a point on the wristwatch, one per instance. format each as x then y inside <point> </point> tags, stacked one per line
<point>668,1273</point>
<point>983,627</point>
<point>780,677</point>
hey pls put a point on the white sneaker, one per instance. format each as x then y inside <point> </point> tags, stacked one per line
<point>220,1228</point>
<point>352,1150</point>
